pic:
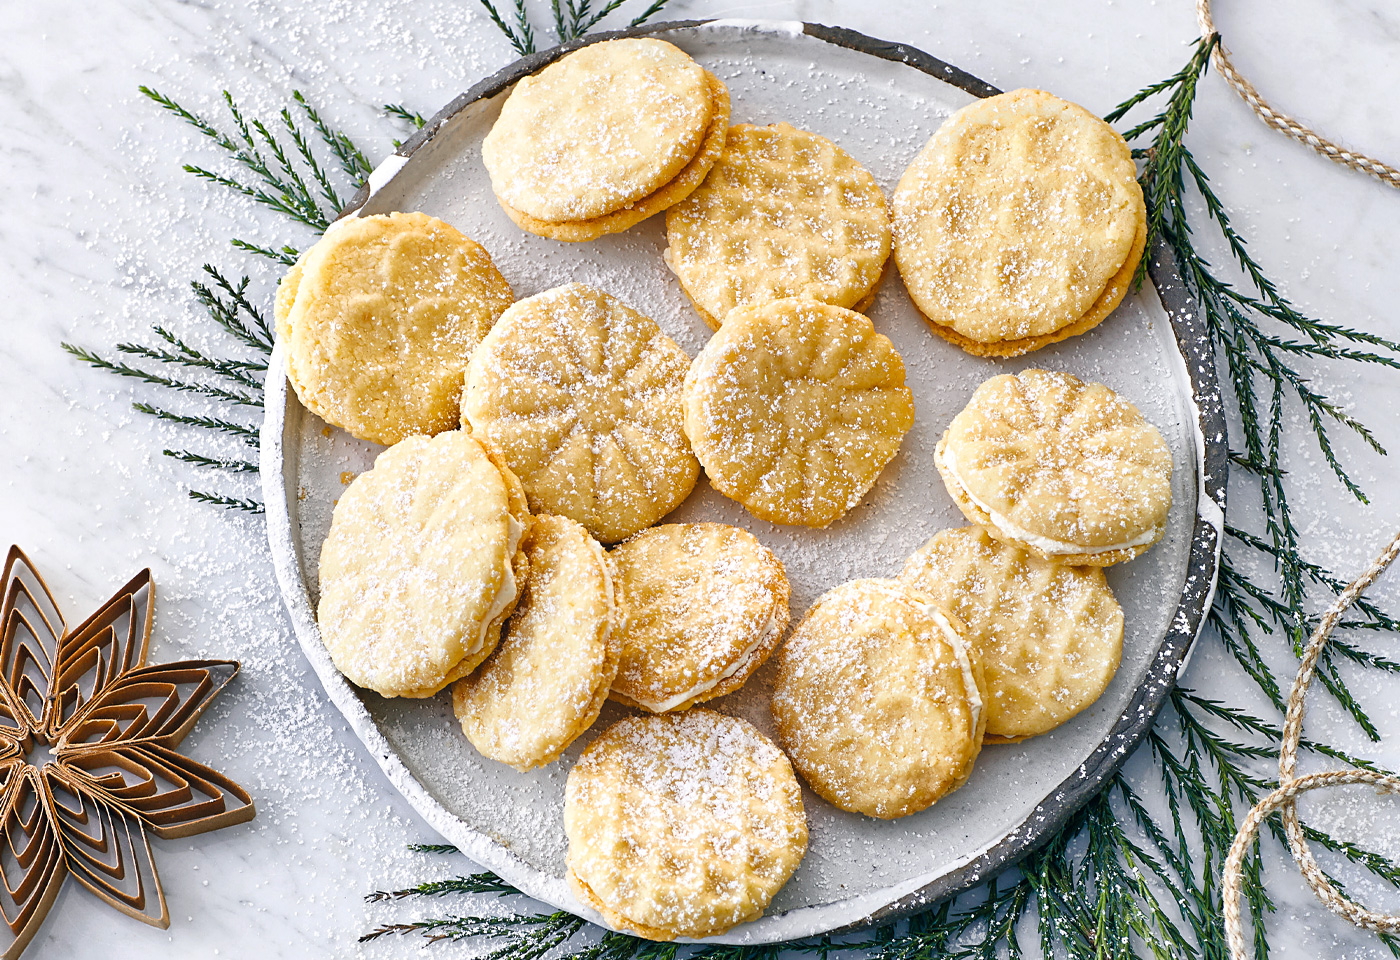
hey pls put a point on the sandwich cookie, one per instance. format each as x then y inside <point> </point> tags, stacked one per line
<point>705,605</point>
<point>422,565</point>
<point>547,681</point>
<point>682,825</point>
<point>1049,636</point>
<point>1020,223</point>
<point>379,318</point>
<point>879,699</point>
<point>604,138</point>
<point>1069,470</point>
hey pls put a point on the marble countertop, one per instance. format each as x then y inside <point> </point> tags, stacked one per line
<point>102,232</point>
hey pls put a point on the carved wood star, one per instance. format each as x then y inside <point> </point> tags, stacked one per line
<point>109,725</point>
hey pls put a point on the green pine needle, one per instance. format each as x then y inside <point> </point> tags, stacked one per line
<point>353,163</point>
<point>432,848</point>
<point>400,112</point>
<point>572,20</point>
<point>648,13</point>
<point>520,936</point>
<point>299,185</point>
<point>213,463</point>
<point>232,503</point>
<point>249,435</point>
<point>476,883</point>
<point>239,372</point>
<point>285,255</point>
<point>520,35</point>
<point>236,314</point>
<point>279,183</point>
<point>159,380</point>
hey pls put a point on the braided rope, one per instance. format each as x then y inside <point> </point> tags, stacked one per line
<point>1283,123</point>
<point>1290,787</point>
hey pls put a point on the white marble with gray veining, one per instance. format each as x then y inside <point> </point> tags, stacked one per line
<point>100,232</point>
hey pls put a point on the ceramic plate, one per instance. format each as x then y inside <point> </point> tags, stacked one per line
<point>880,102</point>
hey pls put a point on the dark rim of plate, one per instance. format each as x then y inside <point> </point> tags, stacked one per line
<point>1192,340</point>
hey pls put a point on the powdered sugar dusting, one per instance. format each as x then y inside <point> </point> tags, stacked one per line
<point>1072,464</point>
<point>598,129</point>
<point>700,601</point>
<point>684,823</point>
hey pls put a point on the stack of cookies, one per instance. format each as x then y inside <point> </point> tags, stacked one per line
<point>604,138</point>
<point>508,543</point>
<point>1019,224</point>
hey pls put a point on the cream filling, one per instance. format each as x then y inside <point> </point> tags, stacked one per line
<point>607,587</point>
<point>974,696</point>
<point>670,703</point>
<point>507,592</point>
<point>1043,544</point>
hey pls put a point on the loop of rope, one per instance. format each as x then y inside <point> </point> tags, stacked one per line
<point>1283,798</point>
<point>1282,122</point>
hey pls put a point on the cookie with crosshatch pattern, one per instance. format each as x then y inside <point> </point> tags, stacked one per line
<point>784,213</point>
<point>1020,223</point>
<point>1050,635</point>
<point>879,699</point>
<point>581,394</point>
<point>379,318</point>
<point>682,824</point>
<point>795,407</point>
<point>1066,469</point>
<point>605,137</point>
<point>706,604</point>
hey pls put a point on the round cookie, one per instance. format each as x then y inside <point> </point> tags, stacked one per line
<point>603,131</point>
<point>547,681</point>
<point>794,407</point>
<point>582,396</point>
<point>784,213</point>
<point>1050,636</point>
<point>682,825</point>
<point>1020,223</point>
<point>422,566</point>
<point>384,313</point>
<point>706,604</point>
<point>878,700</point>
<point>1067,469</point>
<point>691,176</point>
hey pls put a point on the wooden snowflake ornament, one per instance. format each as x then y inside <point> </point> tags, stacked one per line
<point>88,761</point>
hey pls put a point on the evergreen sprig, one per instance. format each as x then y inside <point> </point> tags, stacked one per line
<point>295,182</point>
<point>476,883</point>
<point>572,20</point>
<point>525,936</point>
<point>411,117</point>
<point>246,504</point>
<point>1119,880</point>
<point>1261,336</point>
<point>249,435</point>
<point>399,112</point>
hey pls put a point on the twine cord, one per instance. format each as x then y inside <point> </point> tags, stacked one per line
<point>1282,122</point>
<point>1283,799</point>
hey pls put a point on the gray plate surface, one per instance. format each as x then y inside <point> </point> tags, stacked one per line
<point>880,102</point>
